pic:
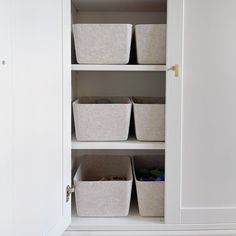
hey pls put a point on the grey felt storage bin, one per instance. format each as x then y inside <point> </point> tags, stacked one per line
<point>150,194</point>
<point>102,119</point>
<point>97,198</point>
<point>151,43</point>
<point>102,43</point>
<point>149,118</point>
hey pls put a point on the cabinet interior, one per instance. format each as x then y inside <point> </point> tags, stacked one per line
<point>116,83</point>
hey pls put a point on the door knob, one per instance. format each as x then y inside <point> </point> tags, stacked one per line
<point>175,68</point>
<point>3,62</point>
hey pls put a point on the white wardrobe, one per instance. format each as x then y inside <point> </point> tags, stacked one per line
<point>40,78</point>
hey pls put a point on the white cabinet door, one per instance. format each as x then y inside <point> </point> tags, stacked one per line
<point>208,160</point>
<point>39,174</point>
<point>173,111</point>
<point>5,119</point>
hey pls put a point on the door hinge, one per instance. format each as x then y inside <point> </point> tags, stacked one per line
<point>175,68</point>
<point>69,191</point>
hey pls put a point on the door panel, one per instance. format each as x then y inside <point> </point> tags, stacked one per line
<point>5,119</point>
<point>39,188</point>
<point>208,113</point>
<point>173,111</point>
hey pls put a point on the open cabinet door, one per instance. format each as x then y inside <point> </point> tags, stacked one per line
<point>5,119</point>
<point>41,169</point>
<point>208,112</point>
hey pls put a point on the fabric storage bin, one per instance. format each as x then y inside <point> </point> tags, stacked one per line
<point>150,194</point>
<point>102,119</point>
<point>98,198</point>
<point>151,43</point>
<point>149,118</point>
<point>102,43</point>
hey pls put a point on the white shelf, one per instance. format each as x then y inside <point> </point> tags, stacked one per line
<point>131,144</point>
<point>80,67</point>
<point>121,5</point>
<point>132,222</point>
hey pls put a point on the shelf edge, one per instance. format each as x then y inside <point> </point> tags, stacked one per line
<point>154,68</point>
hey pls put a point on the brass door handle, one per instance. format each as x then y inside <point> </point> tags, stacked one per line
<point>175,68</point>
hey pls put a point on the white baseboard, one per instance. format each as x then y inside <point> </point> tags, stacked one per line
<point>152,233</point>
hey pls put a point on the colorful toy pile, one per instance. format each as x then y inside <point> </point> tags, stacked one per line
<point>152,174</point>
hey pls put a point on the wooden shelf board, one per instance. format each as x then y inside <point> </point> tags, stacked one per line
<point>131,144</point>
<point>80,67</point>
